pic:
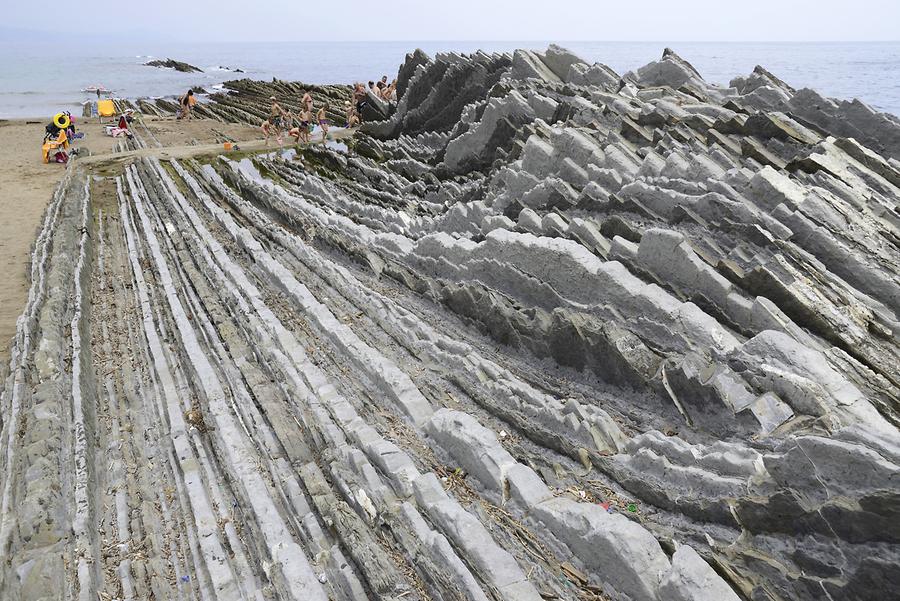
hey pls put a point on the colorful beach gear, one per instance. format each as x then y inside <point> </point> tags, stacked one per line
<point>106,108</point>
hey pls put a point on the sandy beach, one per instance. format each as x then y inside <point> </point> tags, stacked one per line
<point>26,185</point>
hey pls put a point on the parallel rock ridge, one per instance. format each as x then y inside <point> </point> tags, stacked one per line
<point>546,331</point>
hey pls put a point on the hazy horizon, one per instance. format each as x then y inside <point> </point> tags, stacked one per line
<point>475,20</point>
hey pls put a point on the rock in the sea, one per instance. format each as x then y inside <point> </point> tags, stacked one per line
<point>173,64</point>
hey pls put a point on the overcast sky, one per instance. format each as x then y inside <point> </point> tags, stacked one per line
<point>557,20</point>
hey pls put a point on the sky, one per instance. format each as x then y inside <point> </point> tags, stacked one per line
<point>517,20</point>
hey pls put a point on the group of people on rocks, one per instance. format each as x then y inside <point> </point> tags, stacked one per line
<point>380,89</point>
<point>281,120</point>
<point>384,90</point>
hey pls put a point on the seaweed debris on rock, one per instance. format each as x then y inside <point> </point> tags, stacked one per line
<point>548,331</point>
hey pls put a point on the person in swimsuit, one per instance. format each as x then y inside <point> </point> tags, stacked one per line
<point>389,91</point>
<point>187,103</point>
<point>323,121</point>
<point>359,100</point>
<point>307,101</point>
<point>302,132</point>
<point>350,112</point>
<point>275,123</point>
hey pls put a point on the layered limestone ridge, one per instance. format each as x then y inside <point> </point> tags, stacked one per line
<point>543,331</point>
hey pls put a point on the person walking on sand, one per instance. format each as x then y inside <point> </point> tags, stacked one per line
<point>323,121</point>
<point>275,123</point>
<point>186,103</point>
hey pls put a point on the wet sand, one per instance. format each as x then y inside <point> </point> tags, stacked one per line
<point>26,185</point>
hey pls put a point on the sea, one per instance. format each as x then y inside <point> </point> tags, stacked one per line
<point>40,80</point>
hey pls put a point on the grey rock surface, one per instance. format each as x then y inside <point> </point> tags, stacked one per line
<point>539,331</point>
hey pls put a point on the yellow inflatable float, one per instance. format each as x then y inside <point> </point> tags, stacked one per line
<point>61,120</point>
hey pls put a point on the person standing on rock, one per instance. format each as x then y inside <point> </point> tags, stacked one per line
<point>359,100</point>
<point>322,119</point>
<point>301,133</point>
<point>275,123</point>
<point>186,103</point>
<point>307,101</point>
<point>352,117</point>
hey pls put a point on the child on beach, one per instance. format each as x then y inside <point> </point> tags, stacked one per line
<point>275,123</point>
<point>323,121</point>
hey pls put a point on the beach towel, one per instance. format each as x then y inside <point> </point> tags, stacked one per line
<point>106,108</point>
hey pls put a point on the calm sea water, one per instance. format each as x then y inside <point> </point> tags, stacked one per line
<point>37,82</point>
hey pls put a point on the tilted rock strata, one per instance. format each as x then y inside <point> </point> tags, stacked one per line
<point>547,331</point>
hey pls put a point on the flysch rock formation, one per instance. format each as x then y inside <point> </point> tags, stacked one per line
<point>248,101</point>
<point>544,332</point>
